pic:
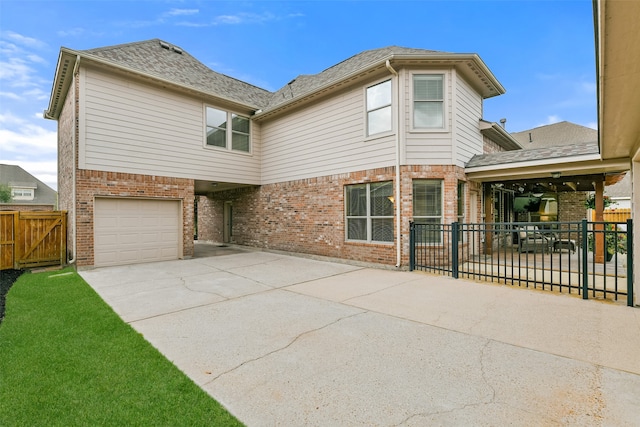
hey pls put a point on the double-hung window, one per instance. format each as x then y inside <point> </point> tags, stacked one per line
<point>369,212</point>
<point>428,101</point>
<point>427,209</point>
<point>219,135</point>
<point>379,108</point>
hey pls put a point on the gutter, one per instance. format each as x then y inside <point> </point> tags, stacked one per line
<point>397,200</point>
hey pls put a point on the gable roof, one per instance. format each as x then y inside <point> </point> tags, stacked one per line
<point>16,177</point>
<point>556,134</point>
<point>171,64</point>
<point>159,58</point>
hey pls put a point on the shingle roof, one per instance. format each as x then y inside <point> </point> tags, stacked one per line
<point>308,83</point>
<point>176,65</point>
<point>15,176</point>
<point>150,57</point>
<point>533,154</point>
<point>556,134</point>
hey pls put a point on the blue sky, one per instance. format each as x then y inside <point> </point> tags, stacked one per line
<point>541,51</point>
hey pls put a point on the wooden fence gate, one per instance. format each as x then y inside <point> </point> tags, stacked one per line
<point>32,239</point>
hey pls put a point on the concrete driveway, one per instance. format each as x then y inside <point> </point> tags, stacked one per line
<point>283,340</point>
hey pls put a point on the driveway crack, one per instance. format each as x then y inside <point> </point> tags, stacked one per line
<point>296,338</point>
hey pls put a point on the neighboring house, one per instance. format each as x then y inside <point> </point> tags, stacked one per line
<point>558,167</point>
<point>332,164</point>
<point>28,193</point>
<point>618,185</point>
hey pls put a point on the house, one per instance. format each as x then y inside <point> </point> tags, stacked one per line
<point>28,193</point>
<point>618,79</point>
<point>334,164</point>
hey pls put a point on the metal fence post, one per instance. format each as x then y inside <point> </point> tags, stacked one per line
<point>455,229</point>
<point>585,262</point>
<point>630,262</point>
<point>412,246</point>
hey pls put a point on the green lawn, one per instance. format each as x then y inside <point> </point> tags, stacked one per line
<point>67,359</point>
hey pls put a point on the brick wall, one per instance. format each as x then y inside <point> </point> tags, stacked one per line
<point>25,207</point>
<point>210,213</point>
<point>571,206</point>
<point>307,215</point>
<point>66,131</point>
<point>91,184</point>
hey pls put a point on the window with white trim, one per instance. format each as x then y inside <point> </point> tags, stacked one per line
<point>22,193</point>
<point>428,101</point>
<point>238,138</point>
<point>379,108</point>
<point>369,212</point>
<point>427,208</point>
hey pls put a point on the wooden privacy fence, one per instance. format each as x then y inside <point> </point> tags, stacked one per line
<point>32,239</point>
<point>613,215</point>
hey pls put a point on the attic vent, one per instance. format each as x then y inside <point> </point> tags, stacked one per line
<point>176,49</point>
<point>165,45</point>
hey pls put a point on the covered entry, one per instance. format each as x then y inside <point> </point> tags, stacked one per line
<point>128,231</point>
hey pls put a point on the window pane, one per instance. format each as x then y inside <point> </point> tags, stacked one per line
<point>379,121</point>
<point>427,87</point>
<point>427,115</point>
<point>357,229</point>
<point>379,95</point>
<point>431,232</point>
<point>427,198</point>
<point>357,200</point>
<point>380,203</point>
<point>216,118</point>
<point>216,137</point>
<point>239,124</point>
<point>240,142</point>
<point>382,230</point>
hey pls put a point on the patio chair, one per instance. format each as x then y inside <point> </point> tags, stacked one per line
<point>532,240</point>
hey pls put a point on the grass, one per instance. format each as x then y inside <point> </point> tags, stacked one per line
<point>67,359</point>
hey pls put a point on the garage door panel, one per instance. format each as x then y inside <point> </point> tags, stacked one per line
<point>130,231</point>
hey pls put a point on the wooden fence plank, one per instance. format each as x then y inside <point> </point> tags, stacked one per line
<point>31,239</point>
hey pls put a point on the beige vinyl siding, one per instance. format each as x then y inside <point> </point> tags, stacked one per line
<point>137,128</point>
<point>430,147</point>
<point>468,113</point>
<point>323,139</point>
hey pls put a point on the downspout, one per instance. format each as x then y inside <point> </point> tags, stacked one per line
<point>397,199</point>
<point>72,260</point>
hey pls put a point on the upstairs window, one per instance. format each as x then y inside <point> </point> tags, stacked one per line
<point>379,108</point>
<point>428,101</point>
<point>219,135</point>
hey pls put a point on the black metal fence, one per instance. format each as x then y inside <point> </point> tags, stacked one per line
<point>591,259</point>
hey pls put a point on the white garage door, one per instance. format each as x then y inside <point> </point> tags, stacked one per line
<point>128,231</point>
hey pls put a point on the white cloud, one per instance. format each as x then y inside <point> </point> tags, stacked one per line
<point>73,32</point>
<point>24,40</point>
<point>243,18</point>
<point>551,120</point>
<point>10,95</point>
<point>182,12</point>
<point>21,138</point>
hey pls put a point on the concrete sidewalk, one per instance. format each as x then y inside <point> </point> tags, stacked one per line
<point>283,340</point>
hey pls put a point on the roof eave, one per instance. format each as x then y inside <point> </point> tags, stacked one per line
<point>381,63</point>
<point>581,164</point>
<point>498,134</point>
<point>61,82</point>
